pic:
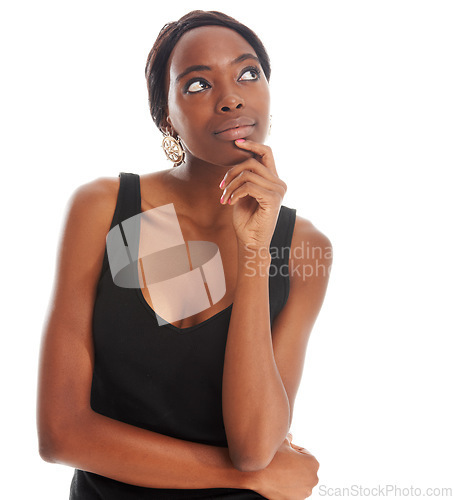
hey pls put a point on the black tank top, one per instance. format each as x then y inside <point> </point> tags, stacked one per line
<point>160,377</point>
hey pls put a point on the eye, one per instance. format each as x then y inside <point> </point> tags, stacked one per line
<point>196,85</point>
<point>192,86</point>
<point>252,69</point>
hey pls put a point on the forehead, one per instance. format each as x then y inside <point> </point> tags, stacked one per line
<point>214,46</point>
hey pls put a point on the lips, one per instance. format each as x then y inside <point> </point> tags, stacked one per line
<point>242,121</point>
<point>232,134</point>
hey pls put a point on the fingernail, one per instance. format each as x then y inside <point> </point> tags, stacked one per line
<point>240,140</point>
<point>222,183</point>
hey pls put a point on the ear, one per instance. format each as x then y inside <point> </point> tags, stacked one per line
<point>166,124</point>
<point>170,127</point>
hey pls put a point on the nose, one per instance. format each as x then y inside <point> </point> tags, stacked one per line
<point>229,103</point>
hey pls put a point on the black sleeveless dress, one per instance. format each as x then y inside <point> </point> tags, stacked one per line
<point>160,377</point>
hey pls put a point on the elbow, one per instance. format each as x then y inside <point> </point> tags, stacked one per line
<point>48,446</point>
<point>45,452</point>
<point>246,467</point>
<point>250,463</point>
<point>53,435</point>
<point>250,457</point>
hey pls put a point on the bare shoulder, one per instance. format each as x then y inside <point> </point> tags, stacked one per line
<point>87,219</point>
<point>311,249</point>
<point>100,191</point>
<point>95,201</point>
<point>305,230</point>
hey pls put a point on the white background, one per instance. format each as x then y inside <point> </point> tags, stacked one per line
<point>361,98</point>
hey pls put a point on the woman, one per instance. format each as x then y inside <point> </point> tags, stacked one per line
<point>142,399</point>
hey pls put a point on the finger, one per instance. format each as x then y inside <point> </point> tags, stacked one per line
<point>264,197</point>
<point>251,165</point>
<point>264,152</point>
<point>249,176</point>
<point>302,450</point>
<point>289,438</point>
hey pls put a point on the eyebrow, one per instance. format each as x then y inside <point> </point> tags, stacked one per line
<point>200,67</point>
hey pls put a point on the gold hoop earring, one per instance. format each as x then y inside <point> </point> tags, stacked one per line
<point>173,149</point>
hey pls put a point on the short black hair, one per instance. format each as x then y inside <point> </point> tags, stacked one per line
<point>156,64</point>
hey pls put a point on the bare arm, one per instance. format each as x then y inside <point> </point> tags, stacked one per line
<point>69,431</point>
<point>255,405</point>
<point>263,368</point>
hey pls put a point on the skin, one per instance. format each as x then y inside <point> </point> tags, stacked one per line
<point>260,454</point>
<point>197,105</point>
<point>194,116</point>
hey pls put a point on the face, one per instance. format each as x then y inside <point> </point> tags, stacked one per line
<point>231,85</point>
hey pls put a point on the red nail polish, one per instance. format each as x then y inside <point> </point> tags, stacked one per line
<point>229,201</point>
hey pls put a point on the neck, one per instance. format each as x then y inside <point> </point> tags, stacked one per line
<point>196,183</point>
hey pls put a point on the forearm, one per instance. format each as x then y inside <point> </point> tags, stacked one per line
<point>256,409</point>
<point>137,456</point>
